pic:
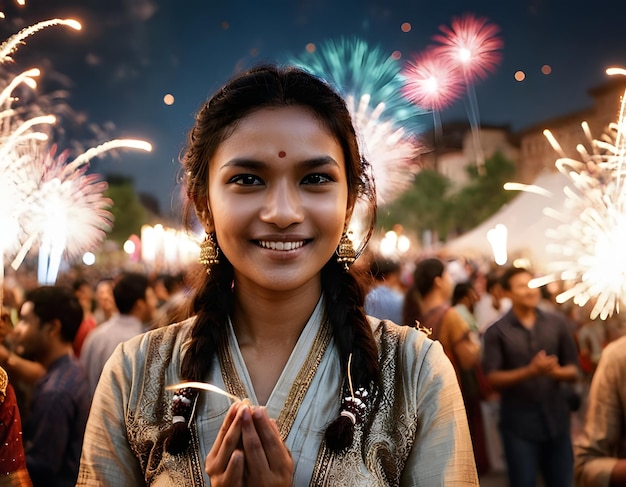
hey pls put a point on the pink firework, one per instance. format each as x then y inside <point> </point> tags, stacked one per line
<point>433,82</point>
<point>471,42</point>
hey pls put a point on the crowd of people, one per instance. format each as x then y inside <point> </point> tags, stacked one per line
<point>539,379</point>
<point>296,356</point>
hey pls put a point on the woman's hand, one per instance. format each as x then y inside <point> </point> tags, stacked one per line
<point>225,464</point>
<point>268,461</point>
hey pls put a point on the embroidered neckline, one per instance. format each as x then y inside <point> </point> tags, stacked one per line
<point>300,385</point>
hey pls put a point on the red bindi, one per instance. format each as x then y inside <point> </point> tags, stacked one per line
<point>282,154</point>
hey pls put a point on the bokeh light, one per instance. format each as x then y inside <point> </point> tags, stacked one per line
<point>168,99</point>
<point>520,76</point>
<point>406,27</point>
<point>546,69</point>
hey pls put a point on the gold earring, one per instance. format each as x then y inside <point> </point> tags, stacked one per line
<point>345,252</point>
<point>209,252</point>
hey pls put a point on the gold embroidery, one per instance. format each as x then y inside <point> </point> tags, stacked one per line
<point>299,387</point>
<point>383,442</point>
<point>229,371</point>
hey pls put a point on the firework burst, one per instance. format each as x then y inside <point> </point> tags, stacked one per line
<point>391,152</point>
<point>46,203</point>
<point>355,69</point>
<point>473,44</point>
<point>432,82</point>
<point>371,83</point>
<point>589,240</point>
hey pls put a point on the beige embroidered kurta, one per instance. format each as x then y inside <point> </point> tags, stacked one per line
<point>416,432</point>
<point>603,440</point>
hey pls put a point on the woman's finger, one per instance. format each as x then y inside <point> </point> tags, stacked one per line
<point>221,452</point>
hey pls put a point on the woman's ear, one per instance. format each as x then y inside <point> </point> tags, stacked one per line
<point>203,214</point>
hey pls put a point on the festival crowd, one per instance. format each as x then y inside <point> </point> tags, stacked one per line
<point>294,354</point>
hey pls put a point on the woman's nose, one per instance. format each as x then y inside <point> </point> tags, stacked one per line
<point>283,205</point>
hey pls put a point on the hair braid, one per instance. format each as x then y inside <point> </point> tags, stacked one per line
<point>345,296</point>
<point>212,305</point>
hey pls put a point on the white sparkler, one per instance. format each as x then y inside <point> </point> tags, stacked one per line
<point>590,242</point>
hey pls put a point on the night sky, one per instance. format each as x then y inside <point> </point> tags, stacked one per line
<point>133,52</point>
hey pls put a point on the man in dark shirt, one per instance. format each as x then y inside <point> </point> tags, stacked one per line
<point>528,354</point>
<point>54,429</point>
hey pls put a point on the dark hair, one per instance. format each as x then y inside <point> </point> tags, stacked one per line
<point>381,267</point>
<point>170,282</point>
<point>508,274</point>
<point>423,280</point>
<point>461,290</point>
<point>79,282</point>
<point>425,273</point>
<point>272,86</point>
<point>57,303</point>
<point>493,279</point>
<point>129,288</point>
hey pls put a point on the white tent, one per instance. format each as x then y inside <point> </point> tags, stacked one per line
<point>526,225</point>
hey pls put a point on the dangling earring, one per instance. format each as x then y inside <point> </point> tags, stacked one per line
<point>209,252</point>
<point>345,252</point>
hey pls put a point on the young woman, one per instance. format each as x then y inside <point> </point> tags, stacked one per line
<point>332,397</point>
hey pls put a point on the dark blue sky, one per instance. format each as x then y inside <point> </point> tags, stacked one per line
<point>132,52</point>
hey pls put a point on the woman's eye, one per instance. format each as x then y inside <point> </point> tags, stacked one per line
<point>317,179</point>
<point>245,180</point>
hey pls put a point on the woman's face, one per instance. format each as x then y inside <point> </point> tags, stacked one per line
<point>278,198</point>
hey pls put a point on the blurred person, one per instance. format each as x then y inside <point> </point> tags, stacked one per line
<point>174,299</point>
<point>429,303</point>
<point>464,299</point>
<point>492,304</point>
<point>13,472</point>
<point>600,450</point>
<point>473,383</point>
<point>385,298</point>
<point>54,429</point>
<point>528,355</point>
<point>273,171</point>
<point>84,293</point>
<point>23,373</point>
<point>136,302</point>
<point>105,302</point>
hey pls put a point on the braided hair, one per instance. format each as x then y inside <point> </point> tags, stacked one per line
<point>260,87</point>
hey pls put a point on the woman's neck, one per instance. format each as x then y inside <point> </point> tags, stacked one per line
<point>270,318</point>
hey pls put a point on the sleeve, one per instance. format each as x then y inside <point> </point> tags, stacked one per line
<point>595,450</point>
<point>107,459</point>
<point>442,452</point>
<point>492,352</point>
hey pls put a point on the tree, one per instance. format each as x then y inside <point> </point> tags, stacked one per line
<point>431,205</point>
<point>425,206</point>
<point>128,212</point>
<point>484,195</point>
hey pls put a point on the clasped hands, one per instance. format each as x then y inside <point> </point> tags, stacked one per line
<point>543,364</point>
<point>249,451</point>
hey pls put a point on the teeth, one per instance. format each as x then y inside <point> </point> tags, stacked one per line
<point>281,245</point>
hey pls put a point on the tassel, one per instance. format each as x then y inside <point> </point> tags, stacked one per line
<point>178,438</point>
<point>178,435</point>
<point>340,433</point>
